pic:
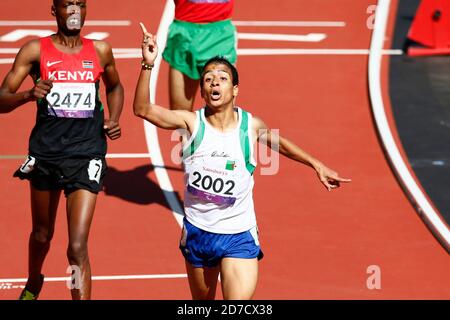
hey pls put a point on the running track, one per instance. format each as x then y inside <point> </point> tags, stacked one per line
<point>317,245</point>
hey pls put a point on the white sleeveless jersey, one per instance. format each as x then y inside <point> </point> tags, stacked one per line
<point>219,167</point>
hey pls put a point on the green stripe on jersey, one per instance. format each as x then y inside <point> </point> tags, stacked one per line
<point>245,141</point>
<point>195,143</point>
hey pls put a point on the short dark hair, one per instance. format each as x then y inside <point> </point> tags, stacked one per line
<point>225,61</point>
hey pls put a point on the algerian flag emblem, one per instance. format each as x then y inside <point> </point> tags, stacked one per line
<point>230,165</point>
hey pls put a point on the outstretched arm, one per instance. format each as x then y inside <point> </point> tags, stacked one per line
<point>329,178</point>
<point>159,116</point>
<point>10,99</point>
<point>114,90</point>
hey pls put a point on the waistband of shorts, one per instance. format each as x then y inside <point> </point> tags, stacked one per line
<point>205,25</point>
<point>64,157</point>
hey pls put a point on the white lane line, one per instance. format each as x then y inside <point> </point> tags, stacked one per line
<point>97,35</point>
<point>124,23</point>
<point>9,50</point>
<point>311,37</point>
<point>289,23</point>
<point>415,194</point>
<point>136,52</point>
<point>45,23</point>
<point>151,133</point>
<point>278,52</point>
<point>7,61</point>
<point>119,277</point>
<point>128,55</point>
<point>119,23</point>
<point>259,52</point>
<point>19,34</point>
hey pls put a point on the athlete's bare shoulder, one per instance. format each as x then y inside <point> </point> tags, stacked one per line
<point>104,52</point>
<point>103,48</point>
<point>102,45</point>
<point>189,118</point>
<point>258,124</point>
<point>30,52</point>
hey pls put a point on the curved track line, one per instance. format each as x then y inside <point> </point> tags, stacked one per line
<point>151,133</point>
<point>415,194</point>
<point>289,23</point>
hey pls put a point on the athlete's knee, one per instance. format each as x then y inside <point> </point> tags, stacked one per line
<point>42,235</point>
<point>77,252</point>
<point>238,292</point>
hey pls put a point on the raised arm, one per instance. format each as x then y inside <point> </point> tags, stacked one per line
<point>329,178</point>
<point>10,99</point>
<point>143,108</point>
<point>113,87</point>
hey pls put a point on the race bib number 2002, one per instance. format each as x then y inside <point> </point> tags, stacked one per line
<point>71,100</point>
<point>216,184</point>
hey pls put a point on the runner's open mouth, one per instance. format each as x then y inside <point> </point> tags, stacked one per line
<point>74,21</point>
<point>215,95</point>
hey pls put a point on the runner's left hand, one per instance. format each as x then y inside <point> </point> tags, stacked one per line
<point>329,178</point>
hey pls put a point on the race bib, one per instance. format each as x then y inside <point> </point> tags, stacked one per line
<point>71,100</point>
<point>216,184</point>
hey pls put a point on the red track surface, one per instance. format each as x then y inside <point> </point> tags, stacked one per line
<point>317,245</point>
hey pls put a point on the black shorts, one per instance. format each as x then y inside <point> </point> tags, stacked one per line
<point>64,174</point>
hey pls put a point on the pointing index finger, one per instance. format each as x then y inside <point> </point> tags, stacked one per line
<point>144,29</point>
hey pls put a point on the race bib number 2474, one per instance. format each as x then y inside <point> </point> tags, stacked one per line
<point>72,100</point>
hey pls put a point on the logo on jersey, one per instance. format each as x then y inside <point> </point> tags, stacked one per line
<point>49,63</point>
<point>62,75</point>
<point>87,64</point>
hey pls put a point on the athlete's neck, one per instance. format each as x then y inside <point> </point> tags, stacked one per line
<point>72,41</point>
<point>222,119</point>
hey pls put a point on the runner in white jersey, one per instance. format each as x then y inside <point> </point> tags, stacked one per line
<point>219,233</point>
<point>219,177</point>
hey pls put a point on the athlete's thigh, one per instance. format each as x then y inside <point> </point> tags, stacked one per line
<point>80,210</point>
<point>44,205</point>
<point>239,277</point>
<point>202,281</point>
<point>182,90</point>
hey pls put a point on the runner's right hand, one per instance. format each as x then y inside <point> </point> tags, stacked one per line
<point>41,89</point>
<point>149,46</point>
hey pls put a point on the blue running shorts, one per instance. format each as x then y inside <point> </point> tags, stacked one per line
<point>206,249</point>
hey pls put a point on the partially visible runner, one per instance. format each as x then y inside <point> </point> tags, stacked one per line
<point>67,145</point>
<point>220,233</point>
<point>201,29</point>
